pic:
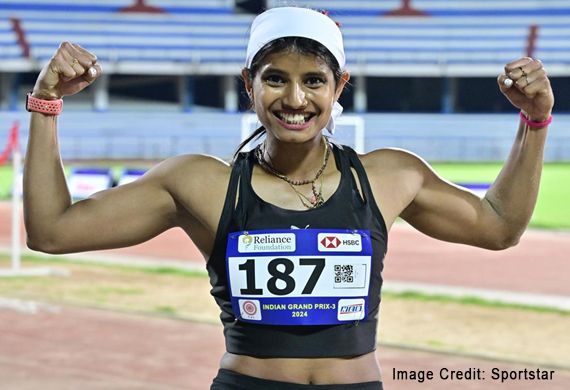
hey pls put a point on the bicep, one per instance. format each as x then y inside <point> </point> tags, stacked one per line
<point>448,212</point>
<point>117,217</point>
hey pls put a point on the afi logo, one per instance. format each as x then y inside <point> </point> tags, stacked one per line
<point>330,242</point>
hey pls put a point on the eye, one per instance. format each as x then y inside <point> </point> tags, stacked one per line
<point>274,80</point>
<point>314,81</point>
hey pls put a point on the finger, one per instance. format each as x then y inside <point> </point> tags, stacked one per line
<point>505,83</point>
<point>536,76</point>
<point>531,66</point>
<point>62,68</point>
<point>69,57</point>
<point>93,73</point>
<point>537,70</point>
<point>536,85</point>
<point>86,58</point>
<point>517,64</point>
<point>77,57</point>
<point>522,82</point>
<point>73,86</point>
<point>77,67</point>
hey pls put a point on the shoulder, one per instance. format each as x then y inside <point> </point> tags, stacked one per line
<point>395,161</point>
<point>396,177</point>
<point>189,166</point>
<point>186,172</point>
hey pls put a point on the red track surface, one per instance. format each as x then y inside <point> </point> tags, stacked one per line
<point>539,264</point>
<point>91,349</point>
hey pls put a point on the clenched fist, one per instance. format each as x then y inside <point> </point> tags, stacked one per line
<point>70,70</point>
<point>529,88</point>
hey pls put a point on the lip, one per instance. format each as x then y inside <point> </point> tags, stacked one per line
<point>290,126</point>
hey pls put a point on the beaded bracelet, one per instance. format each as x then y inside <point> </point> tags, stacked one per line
<point>535,125</point>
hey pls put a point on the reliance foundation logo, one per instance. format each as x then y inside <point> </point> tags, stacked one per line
<point>268,242</point>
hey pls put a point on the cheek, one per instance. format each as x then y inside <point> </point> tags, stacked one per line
<point>263,98</point>
<point>325,99</point>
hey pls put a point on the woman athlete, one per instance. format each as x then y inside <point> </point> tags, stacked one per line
<point>294,231</point>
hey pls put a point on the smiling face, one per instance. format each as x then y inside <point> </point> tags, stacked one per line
<point>293,95</point>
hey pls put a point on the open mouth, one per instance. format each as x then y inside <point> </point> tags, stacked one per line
<point>294,119</point>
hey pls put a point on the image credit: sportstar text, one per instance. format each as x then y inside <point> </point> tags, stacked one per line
<point>473,374</point>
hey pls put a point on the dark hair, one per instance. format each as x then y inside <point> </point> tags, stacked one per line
<point>294,44</point>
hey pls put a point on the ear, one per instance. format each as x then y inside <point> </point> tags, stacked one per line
<point>341,84</point>
<point>247,82</point>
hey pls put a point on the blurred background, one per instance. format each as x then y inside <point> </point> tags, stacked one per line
<point>423,72</point>
<point>423,79</point>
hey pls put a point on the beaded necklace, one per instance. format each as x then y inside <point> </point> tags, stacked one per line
<point>316,199</point>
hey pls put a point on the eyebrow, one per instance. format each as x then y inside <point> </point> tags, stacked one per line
<point>283,73</point>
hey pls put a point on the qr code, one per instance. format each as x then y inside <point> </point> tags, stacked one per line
<point>343,273</point>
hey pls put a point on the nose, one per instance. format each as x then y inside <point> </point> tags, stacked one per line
<point>295,96</point>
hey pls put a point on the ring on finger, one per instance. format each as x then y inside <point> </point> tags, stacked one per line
<point>75,61</point>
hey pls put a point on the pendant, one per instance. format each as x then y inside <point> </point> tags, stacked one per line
<point>317,197</point>
<point>317,200</point>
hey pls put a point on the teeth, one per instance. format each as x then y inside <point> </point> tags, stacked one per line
<point>294,119</point>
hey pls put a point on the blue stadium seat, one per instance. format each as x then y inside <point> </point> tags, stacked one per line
<point>107,6</point>
<point>456,38</point>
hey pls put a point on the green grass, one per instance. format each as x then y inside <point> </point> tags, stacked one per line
<point>121,279</point>
<point>55,260</point>
<point>552,210</point>
<point>470,300</point>
<point>5,181</point>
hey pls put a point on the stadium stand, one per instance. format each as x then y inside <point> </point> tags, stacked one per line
<point>443,39</point>
<point>469,8</point>
<point>452,38</point>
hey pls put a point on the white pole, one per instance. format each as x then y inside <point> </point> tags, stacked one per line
<point>16,270</point>
<point>231,98</point>
<point>16,251</point>
<point>359,135</point>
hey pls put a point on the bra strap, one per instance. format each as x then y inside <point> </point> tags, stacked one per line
<point>364,183</point>
<point>230,202</point>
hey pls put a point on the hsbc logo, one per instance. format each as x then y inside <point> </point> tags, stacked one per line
<point>330,242</point>
<point>339,242</point>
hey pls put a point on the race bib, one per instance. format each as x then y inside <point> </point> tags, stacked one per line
<point>299,277</point>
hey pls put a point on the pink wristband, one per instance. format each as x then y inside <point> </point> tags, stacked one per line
<point>535,125</point>
<point>49,107</point>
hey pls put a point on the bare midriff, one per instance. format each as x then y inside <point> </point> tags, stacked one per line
<point>318,371</point>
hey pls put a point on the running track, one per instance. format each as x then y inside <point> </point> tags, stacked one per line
<point>539,264</point>
<point>70,348</point>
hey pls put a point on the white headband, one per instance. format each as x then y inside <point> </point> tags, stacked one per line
<point>297,22</point>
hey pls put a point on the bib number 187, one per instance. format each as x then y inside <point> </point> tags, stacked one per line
<point>280,281</point>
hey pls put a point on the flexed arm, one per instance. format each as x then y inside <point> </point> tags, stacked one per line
<point>112,218</point>
<point>447,212</point>
<point>514,192</point>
